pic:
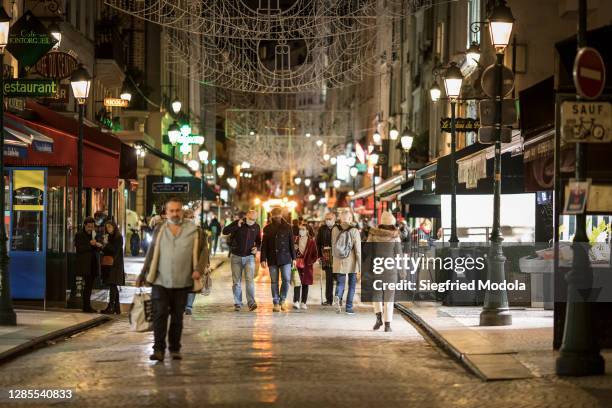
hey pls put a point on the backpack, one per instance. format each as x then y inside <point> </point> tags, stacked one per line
<point>344,244</point>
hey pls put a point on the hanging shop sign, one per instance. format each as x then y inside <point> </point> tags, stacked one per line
<point>161,188</point>
<point>116,103</point>
<point>30,87</point>
<point>29,40</point>
<point>461,125</point>
<point>191,140</point>
<point>586,122</point>
<point>471,170</point>
<point>57,65</point>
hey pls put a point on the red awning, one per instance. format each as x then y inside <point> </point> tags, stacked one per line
<point>100,155</point>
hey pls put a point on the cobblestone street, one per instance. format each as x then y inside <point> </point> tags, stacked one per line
<point>313,358</point>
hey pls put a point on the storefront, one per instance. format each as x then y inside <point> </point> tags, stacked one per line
<point>42,198</point>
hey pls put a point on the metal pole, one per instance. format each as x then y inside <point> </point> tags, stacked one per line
<point>80,166</point>
<point>173,154</point>
<point>579,354</point>
<point>453,234</point>
<point>495,311</point>
<point>8,317</point>
<point>406,160</point>
<point>202,197</point>
<point>374,192</point>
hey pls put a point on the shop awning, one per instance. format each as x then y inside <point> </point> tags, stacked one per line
<point>381,188</point>
<point>37,140</point>
<point>101,151</point>
<point>478,155</point>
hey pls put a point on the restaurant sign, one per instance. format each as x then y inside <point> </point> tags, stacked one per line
<point>116,103</point>
<point>29,40</point>
<point>461,125</point>
<point>30,87</point>
<point>57,65</point>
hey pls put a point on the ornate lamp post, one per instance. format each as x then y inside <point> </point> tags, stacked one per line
<point>174,133</point>
<point>176,106</point>
<point>495,311</point>
<point>7,314</point>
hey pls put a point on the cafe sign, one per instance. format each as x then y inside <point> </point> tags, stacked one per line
<point>461,125</point>
<point>30,87</point>
<point>116,103</point>
<point>56,65</point>
<point>29,40</point>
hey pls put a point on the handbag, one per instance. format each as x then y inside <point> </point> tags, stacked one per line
<point>295,278</point>
<point>141,312</point>
<point>300,263</point>
<point>108,260</point>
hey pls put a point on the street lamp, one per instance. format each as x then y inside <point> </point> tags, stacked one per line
<point>495,311</point>
<point>319,143</point>
<point>56,33</point>
<point>8,317</point>
<point>176,106</point>
<point>473,52</point>
<point>80,81</point>
<point>453,79</point>
<point>377,138</point>
<point>307,182</point>
<point>174,133</point>
<point>407,140</point>
<point>297,181</point>
<point>393,133</point>
<point>220,171</point>
<point>374,160</point>
<point>435,92</point>
<point>126,95</point>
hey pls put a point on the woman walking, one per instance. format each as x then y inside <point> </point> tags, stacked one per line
<point>112,265</point>
<point>306,250</point>
<point>388,235</point>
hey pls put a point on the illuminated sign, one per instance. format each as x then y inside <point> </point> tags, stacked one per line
<point>116,102</point>
<point>30,87</point>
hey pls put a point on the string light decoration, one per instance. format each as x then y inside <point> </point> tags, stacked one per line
<point>273,46</point>
<point>279,142</point>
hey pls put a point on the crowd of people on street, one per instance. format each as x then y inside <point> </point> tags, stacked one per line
<point>178,256</point>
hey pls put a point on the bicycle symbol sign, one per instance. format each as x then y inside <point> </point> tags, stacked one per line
<point>586,122</point>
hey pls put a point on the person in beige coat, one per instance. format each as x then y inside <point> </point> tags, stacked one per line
<point>389,236</point>
<point>346,267</point>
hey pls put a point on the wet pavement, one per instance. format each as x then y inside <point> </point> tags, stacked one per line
<point>312,358</point>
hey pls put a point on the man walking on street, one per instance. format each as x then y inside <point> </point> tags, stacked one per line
<point>177,257</point>
<point>324,246</point>
<point>278,254</point>
<point>245,242</point>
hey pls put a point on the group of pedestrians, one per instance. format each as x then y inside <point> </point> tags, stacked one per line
<point>99,251</point>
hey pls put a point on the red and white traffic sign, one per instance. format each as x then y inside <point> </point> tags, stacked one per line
<point>589,73</point>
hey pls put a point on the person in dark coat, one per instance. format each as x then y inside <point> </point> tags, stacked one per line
<point>113,273</point>
<point>306,251</point>
<point>324,250</point>
<point>87,260</point>
<point>215,231</point>
<point>278,254</point>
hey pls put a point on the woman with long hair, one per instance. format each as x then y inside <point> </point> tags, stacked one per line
<point>306,251</point>
<point>113,273</point>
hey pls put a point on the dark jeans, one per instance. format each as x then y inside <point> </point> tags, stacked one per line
<point>168,302</point>
<point>88,282</point>
<point>113,301</point>
<point>329,285</point>
<point>296,293</point>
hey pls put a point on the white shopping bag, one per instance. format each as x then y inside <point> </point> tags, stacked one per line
<point>141,313</point>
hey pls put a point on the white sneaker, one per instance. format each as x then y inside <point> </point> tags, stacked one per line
<point>304,306</point>
<point>337,304</point>
<point>296,305</point>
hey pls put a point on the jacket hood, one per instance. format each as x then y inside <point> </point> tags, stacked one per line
<point>383,235</point>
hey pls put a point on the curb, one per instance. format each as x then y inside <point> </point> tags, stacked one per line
<point>42,341</point>
<point>440,341</point>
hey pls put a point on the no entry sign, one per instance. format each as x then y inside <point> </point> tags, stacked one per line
<point>589,73</point>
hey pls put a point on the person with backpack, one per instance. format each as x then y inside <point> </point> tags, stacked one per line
<point>346,255</point>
